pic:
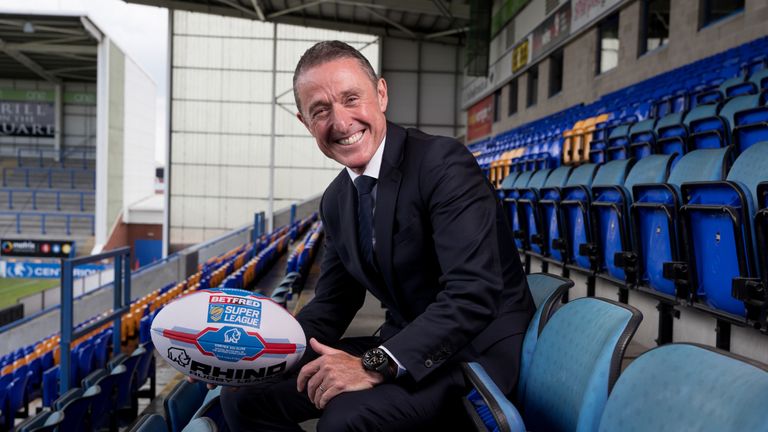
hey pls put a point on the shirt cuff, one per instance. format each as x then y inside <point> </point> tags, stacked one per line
<point>400,369</point>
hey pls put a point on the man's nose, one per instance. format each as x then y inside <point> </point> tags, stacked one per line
<point>340,118</point>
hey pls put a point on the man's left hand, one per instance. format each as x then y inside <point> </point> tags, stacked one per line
<point>333,373</point>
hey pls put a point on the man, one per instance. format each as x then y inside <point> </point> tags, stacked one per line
<point>412,220</point>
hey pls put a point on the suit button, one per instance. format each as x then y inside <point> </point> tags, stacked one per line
<point>428,363</point>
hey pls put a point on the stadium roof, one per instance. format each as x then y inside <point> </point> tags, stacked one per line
<point>415,19</point>
<point>55,48</point>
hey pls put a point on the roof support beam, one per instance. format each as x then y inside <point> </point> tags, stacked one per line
<point>241,8</point>
<point>295,8</point>
<point>447,33</point>
<point>28,63</point>
<point>393,23</point>
<point>258,10</point>
<point>44,47</point>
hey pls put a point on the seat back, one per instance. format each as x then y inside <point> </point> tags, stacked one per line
<point>150,423</point>
<point>527,209</point>
<point>548,292</point>
<point>693,388</point>
<point>42,422</point>
<point>642,138</point>
<point>611,217</point>
<point>182,403</point>
<point>76,406</point>
<point>576,363</point>
<point>751,127</point>
<point>654,213</point>
<point>718,218</point>
<point>201,424</point>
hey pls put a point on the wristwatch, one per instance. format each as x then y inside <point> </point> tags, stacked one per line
<point>377,360</point>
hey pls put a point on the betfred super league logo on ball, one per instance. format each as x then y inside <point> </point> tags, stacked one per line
<point>228,309</point>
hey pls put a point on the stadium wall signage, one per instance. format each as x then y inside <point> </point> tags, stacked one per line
<point>37,248</point>
<point>33,270</point>
<point>28,119</point>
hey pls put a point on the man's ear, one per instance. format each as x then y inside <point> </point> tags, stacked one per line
<point>381,91</point>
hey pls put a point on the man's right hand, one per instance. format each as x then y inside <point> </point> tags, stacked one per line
<point>193,381</point>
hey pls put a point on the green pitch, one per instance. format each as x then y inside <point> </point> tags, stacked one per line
<point>12,289</point>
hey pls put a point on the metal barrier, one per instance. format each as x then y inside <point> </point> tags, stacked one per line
<point>121,305</point>
<point>36,192</point>
<point>44,216</point>
<point>49,172</point>
<point>57,155</point>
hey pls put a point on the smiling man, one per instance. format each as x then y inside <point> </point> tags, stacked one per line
<point>412,220</point>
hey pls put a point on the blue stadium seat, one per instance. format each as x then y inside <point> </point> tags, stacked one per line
<point>534,230</point>
<point>642,138</point>
<point>45,421</point>
<point>718,219</point>
<point>701,112</point>
<point>576,361</point>
<point>182,403</point>
<point>526,207</point>
<point>671,134</point>
<point>103,411</point>
<point>76,406</point>
<point>612,222</point>
<point>751,126</point>
<point>576,214</point>
<point>715,131</point>
<point>760,79</point>
<point>511,196</point>
<point>150,423</point>
<point>688,387</point>
<point>618,143</point>
<point>655,215</point>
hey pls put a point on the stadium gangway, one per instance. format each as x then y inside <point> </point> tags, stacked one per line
<point>121,306</point>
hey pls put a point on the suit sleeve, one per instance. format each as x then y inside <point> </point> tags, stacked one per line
<point>462,211</point>
<point>338,297</point>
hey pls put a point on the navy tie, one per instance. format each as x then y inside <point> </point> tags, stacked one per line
<point>364,185</point>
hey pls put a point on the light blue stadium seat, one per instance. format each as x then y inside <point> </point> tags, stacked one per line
<point>526,207</point>
<point>701,112</point>
<point>612,220</point>
<point>150,423</point>
<point>551,239</point>
<point>182,403</point>
<point>201,424</point>
<point>655,215</point>
<point>576,361</point>
<point>718,219</point>
<point>45,421</point>
<point>577,216</point>
<point>685,387</point>
<point>760,79</point>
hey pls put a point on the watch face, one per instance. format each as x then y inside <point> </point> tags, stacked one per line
<point>374,358</point>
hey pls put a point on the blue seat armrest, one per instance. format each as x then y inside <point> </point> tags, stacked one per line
<point>505,414</point>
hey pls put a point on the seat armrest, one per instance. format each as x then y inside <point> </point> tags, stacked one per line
<point>504,413</point>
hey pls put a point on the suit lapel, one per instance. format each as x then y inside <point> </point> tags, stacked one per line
<point>386,198</point>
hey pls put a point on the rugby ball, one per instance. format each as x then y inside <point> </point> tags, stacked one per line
<point>228,337</point>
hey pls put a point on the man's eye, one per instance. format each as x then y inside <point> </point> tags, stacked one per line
<point>319,113</point>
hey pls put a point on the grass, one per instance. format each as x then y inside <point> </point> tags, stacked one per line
<point>12,289</point>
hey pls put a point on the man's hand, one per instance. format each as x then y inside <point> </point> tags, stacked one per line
<point>193,380</point>
<point>333,373</point>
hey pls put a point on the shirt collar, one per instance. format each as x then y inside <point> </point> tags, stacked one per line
<point>374,165</point>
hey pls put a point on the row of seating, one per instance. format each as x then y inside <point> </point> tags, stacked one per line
<point>571,376</point>
<point>581,133</point>
<point>682,231</point>
<point>298,265</point>
<point>110,389</point>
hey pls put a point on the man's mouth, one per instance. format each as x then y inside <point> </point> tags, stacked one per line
<point>351,139</point>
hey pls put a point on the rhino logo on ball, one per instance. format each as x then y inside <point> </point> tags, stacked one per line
<point>179,356</point>
<point>232,336</point>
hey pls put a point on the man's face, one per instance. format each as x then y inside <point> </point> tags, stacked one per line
<point>344,111</point>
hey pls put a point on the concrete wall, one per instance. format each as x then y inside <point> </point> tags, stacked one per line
<point>115,134</point>
<point>139,138</point>
<point>221,159</point>
<point>687,43</point>
<point>423,80</point>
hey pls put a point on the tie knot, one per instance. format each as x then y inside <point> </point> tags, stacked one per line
<point>364,184</point>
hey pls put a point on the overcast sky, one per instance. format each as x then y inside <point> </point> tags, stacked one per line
<point>140,31</point>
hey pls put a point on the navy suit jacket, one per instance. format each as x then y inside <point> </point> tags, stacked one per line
<point>449,274</point>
